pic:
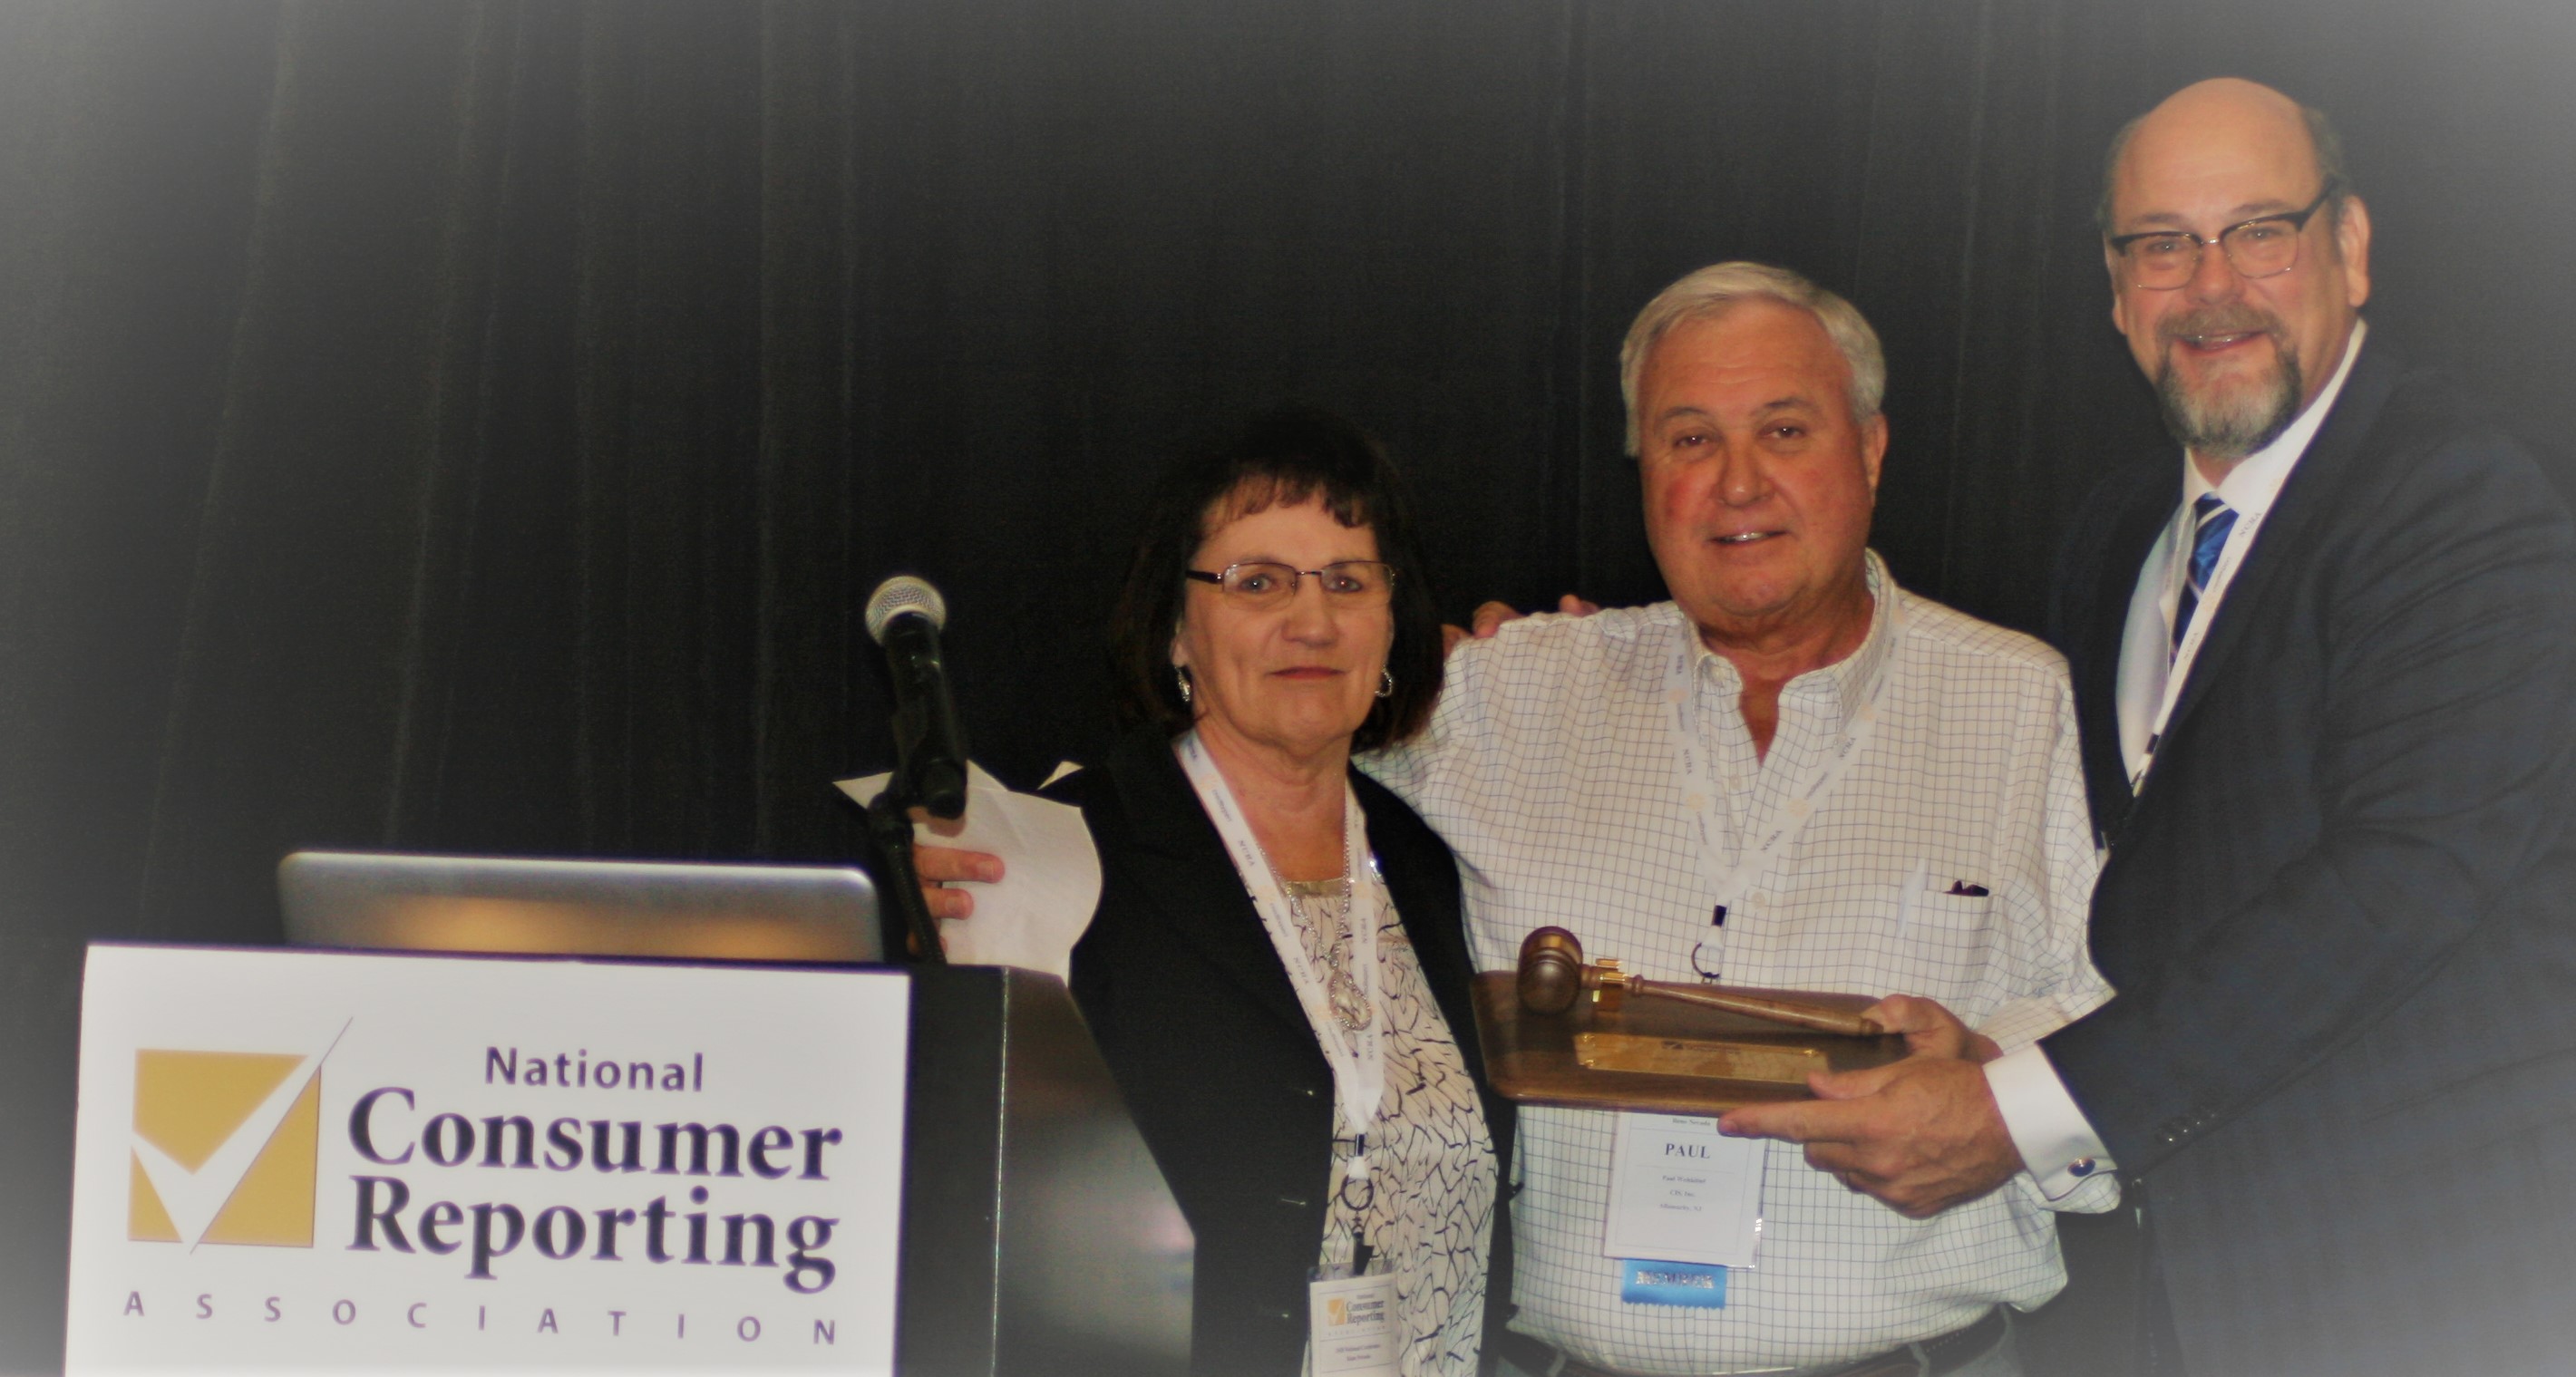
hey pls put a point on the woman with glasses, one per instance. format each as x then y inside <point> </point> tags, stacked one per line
<point>1276,972</point>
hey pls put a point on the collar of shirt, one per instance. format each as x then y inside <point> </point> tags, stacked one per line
<point>2147,664</point>
<point>1837,689</point>
<point>2251,486</point>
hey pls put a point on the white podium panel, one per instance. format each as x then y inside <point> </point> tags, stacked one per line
<point>327,1160</point>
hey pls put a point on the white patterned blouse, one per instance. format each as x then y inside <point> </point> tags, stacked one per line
<point>1427,1207</point>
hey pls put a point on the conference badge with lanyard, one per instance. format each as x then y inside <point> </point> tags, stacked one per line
<point>1351,1318</point>
<point>1685,1203</point>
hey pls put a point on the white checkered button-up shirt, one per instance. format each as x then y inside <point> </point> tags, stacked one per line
<point>1549,767</point>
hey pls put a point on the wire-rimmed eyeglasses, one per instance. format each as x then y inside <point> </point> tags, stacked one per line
<point>1265,583</point>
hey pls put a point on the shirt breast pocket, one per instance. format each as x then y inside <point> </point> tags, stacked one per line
<point>1944,915</point>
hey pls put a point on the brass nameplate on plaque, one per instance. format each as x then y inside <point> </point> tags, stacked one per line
<point>1714,1060</point>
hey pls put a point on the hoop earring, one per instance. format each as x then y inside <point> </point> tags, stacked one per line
<point>1386,683</point>
<point>1181,676</point>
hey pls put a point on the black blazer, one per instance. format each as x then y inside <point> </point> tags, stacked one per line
<point>1196,1018</point>
<point>2338,911</point>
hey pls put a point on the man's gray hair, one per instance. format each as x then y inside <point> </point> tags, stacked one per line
<point>1715,289</point>
<point>2321,136</point>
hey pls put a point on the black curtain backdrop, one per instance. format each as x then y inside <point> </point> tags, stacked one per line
<point>476,426</point>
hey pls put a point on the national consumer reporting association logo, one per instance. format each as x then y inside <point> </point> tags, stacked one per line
<point>224,1147</point>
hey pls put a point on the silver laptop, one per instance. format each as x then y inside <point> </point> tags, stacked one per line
<point>385,901</point>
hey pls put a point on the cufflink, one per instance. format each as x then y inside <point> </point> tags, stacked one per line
<point>2082,1166</point>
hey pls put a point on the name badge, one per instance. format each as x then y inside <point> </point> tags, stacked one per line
<point>1350,1326</point>
<point>1682,1194</point>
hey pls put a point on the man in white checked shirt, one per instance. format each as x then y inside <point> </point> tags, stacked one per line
<point>1794,774</point>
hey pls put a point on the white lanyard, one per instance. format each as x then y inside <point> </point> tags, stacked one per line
<point>1358,1077</point>
<point>2240,538</point>
<point>1694,763</point>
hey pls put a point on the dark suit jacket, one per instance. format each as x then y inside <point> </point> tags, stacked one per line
<point>1196,1018</point>
<point>2342,1058</point>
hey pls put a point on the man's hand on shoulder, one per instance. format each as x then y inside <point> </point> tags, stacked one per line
<point>1489,618</point>
<point>1920,1135</point>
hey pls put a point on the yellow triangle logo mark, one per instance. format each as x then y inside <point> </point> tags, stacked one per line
<point>273,1205</point>
<point>188,1104</point>
<point>146,1219</point>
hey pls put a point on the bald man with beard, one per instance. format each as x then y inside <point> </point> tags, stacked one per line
<point>2323,661</point>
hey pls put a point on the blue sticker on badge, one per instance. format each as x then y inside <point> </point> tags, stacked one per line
<point>1702,1286</point>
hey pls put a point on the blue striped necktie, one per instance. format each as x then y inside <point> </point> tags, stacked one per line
<point>2212,519</point>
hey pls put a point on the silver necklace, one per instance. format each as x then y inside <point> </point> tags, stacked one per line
<point>1328,917</point>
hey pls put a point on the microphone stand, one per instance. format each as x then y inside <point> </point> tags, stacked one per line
<point>904,616</point>
<point>898,884</point>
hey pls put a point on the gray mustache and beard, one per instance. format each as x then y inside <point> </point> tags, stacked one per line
<point>2229,422</point>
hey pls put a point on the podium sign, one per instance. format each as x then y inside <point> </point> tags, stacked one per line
<point>318,1159</point>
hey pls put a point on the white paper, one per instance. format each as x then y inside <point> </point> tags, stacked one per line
<point>1050,875</point>
<point>1680,1192</point>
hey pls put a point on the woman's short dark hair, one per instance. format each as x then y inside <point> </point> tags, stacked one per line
<point>1285,456</point>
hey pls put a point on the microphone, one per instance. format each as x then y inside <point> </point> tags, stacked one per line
<point>904,616</point>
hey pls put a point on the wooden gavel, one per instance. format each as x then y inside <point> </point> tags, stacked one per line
<point>1553,974</point>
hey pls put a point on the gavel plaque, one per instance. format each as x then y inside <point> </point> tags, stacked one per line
<point>1660,1056</point>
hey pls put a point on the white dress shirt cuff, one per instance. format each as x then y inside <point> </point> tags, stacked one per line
<point>2057,1144</point>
